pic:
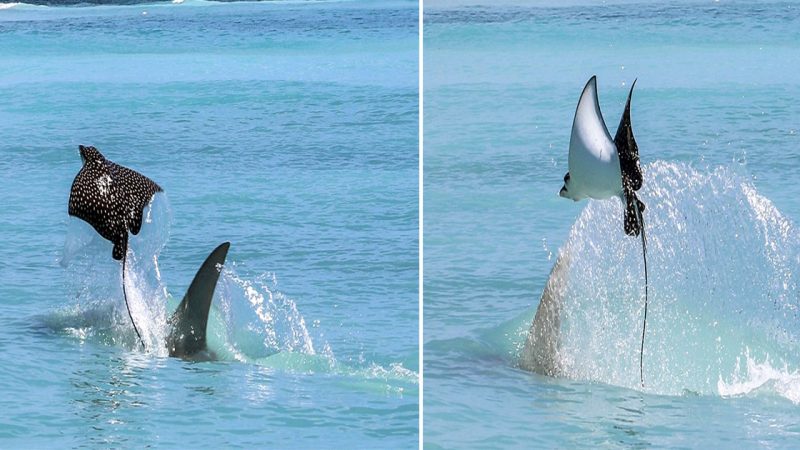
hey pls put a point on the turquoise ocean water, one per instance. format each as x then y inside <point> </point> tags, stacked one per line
<point>288,129</point>
<point>717,119</point>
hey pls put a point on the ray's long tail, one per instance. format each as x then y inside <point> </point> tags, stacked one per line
<point>127,306</point>
<point>640,219</point>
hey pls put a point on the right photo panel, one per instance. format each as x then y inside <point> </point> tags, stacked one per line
<point>611,199</point>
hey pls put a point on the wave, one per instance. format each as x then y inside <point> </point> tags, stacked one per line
<point>761,378</point>
<point>251,321</point>
<point>128,3</point>
<point>89,3</point>
<point>724,279</point>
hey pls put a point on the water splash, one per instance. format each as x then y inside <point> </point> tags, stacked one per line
<point>761,377</point>
<point>251,320</point>
<point>264,321</point>
<point>723,284</point>
<point>96,279</point>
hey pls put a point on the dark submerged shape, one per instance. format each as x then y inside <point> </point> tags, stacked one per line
<point>632,178</point>
<point>111,198</point>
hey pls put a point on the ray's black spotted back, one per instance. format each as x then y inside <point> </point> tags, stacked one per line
<point>110,197</point>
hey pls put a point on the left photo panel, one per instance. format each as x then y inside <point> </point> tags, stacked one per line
<point>209,224</point>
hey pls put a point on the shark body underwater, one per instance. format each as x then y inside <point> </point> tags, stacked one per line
<point>111,198</point>
<point>600,168</point>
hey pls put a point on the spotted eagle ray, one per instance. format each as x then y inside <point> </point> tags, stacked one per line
<point>602,168</point>
<point>111,198</point>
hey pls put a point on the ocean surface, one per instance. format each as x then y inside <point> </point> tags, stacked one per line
<point>716,115</point>
<point>289,129</point>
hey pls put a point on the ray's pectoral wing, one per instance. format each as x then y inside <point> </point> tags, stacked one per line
<point>627,149</point>
<point>92,200</point>
<point>135,191</point>
<point>590,139</point>
<point>591,150</point>
<point>631,170</point>
<point>140,202</point>
<point>84,192</point>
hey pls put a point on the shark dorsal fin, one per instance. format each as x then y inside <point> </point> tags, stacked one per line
<point>188,335</point>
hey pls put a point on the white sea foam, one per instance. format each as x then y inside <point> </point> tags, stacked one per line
<point>761,377</point>
<point>20,5</point>
<point>394,371</point>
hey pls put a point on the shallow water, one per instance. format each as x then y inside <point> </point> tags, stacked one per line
<point>715,117</point>
<point>286,128</point>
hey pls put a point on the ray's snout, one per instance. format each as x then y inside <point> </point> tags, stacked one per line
<point>564,192</point>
